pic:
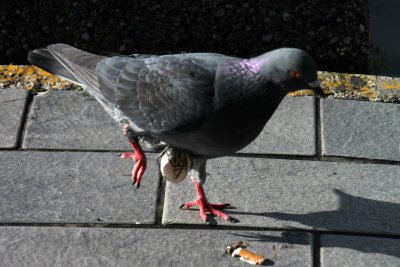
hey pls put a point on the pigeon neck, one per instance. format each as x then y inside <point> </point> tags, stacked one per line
<point>238,79</point>
<point>250,68</point>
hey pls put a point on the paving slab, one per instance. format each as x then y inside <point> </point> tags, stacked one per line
<point>12,105</point>
<point>39,246</point>
<point>290,131</point>
<point>74,120</point>
<point>71,120</point>
<point>360,129</point>
<point>279,193</point>
<point>48,187</point>
<point>360,251</point>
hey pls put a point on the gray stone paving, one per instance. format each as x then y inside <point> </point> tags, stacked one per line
<point>294,193</point>
<point>93,189</point>
<point>360,129</point>
<point>360,251</point>
<point>37,246</point>
<point>290,131</point>
<point>72,120</point>
<point>12,104</point>
<point>74,187</point>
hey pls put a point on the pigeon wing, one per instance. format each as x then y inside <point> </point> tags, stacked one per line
<point>157,94</point>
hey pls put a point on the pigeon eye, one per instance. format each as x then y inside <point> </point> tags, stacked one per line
<point>294,74</point>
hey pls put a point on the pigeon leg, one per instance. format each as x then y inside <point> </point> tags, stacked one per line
<point>140,159</point>
<point>203,204</point>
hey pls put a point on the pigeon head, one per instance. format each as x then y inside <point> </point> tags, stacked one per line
<point>292,69</point>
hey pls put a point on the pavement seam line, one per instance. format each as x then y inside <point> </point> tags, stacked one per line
<point>316,250</point>
<point>195,227</point>
<point>160,199</point>
<point>318,127</point>
<point>337,159</point>
<point>24,121</point>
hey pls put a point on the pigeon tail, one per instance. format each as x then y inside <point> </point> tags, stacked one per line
<point>43,59</point>
<point>77,66</point>
<point>81,64</point>
<point>73,64</point>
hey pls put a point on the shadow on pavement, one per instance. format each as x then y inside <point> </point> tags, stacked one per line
<point>365,215</point>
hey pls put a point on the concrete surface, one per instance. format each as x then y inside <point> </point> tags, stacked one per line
<point>56,246</point>
<point>66,198</point>
<point>47,187</point>
<point>339,250</point>
<point>299,194</point>
<point>290,130</point>
<point>72,120</point>
<point>360,129</point>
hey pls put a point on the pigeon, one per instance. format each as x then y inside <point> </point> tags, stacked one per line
<point>201,105</point>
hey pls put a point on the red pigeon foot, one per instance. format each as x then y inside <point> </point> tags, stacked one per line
<point>140,161</point>
<point>203,204</point>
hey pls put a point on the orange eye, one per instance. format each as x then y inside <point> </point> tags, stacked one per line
<point>294,74</point>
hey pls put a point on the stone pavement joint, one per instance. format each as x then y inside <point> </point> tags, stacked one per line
<point>12,109</point>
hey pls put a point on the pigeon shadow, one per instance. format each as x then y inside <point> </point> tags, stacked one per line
<point>355,214</point>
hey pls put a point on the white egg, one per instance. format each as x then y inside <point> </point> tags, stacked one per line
<point>175,166</point>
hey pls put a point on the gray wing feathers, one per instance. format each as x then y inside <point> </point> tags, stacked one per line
<point>154,94</point>
<point>158,94</point>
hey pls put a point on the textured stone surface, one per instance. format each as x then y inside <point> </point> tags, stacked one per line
<point>30,246</point>
<point>293,193</point>
<point>359,251</point>
<point>12,104</point>
<point>291,130</point>
<point>72,120</point>
<point>357,86</point>
<point>389,88</point>
<point>74,187</point>
<point>360,129</point>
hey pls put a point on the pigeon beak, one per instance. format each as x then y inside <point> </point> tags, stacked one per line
<point>316,86</point>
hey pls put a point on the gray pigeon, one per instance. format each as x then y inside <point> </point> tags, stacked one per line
<point>202,105</point>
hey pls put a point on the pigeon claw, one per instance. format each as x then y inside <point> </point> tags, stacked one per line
<point>138,170</point>
<point>127,155</point>
<point>233,220</point>
<point>204,206</point>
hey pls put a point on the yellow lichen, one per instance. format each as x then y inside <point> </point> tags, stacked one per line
<point>368,92</point>
<point>391,85</point>
<point>308,92</point>
<point>31,78</point>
